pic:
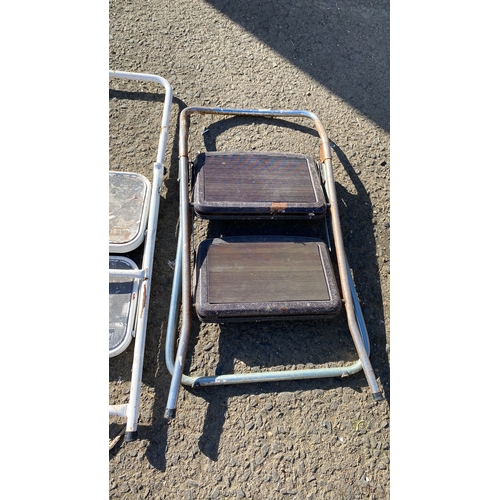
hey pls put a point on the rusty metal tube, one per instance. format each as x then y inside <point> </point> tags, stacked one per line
<point>173,313</point>
<point>185,262</point>
<point>344,282</point>
<point>272,113</point>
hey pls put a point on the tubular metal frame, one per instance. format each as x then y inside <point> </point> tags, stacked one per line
<point>144,274</point>
<point>181,288</point>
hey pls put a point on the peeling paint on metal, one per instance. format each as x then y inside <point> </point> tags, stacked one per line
<point>277,207</point>
<point>144,298</point>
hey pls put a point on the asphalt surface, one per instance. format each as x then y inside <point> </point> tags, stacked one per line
<point>305,439</point>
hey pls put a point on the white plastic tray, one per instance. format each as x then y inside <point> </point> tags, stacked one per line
<point>129,195</point>
<point>122,305</point>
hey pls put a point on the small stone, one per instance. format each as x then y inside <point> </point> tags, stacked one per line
<point>285,396</point>
<point>124,487</point>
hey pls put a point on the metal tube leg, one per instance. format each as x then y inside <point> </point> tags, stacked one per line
<point>173,314</point>
<point>175,366</point>
<point>344,273</point>
<point>137,366</point>
<point>185,263</point>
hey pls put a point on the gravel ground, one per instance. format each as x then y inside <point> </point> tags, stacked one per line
<point>307,440</point>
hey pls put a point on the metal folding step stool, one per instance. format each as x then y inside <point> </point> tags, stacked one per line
<point>259,277</point>
<point>133,215</point>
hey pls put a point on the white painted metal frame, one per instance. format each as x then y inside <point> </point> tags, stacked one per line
<point>143,274</point>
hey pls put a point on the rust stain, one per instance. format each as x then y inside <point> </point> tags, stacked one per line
<point>278,207</point>
<point>324,152</point>
<point>120,235</point>
<point>143,305</point>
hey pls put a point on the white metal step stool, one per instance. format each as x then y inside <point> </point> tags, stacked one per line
<point>133,216</point>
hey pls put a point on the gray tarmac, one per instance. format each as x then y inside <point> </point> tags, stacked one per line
<point>317,439</point>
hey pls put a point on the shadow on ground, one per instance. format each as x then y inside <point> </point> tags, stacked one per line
<point>343,45</point>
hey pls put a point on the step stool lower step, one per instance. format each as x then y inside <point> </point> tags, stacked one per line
<point>264,278</point>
